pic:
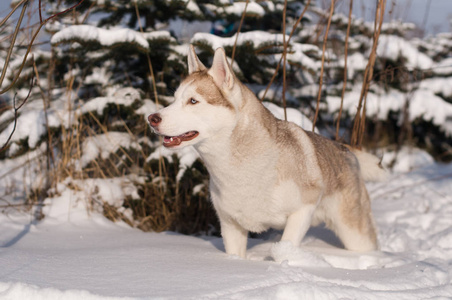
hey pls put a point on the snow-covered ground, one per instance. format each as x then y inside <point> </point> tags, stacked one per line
<point>75,255</point>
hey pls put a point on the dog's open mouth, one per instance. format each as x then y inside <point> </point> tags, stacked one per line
<point>172,141</point>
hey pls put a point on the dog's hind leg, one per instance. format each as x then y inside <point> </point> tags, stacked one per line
<point>234,237</point>
<point>353,222</point>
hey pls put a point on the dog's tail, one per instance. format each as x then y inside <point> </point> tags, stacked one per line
<point>370,165</point>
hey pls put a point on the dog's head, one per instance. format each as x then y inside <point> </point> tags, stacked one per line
<point>204,104</point>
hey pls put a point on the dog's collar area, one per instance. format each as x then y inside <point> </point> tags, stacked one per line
<point>172,141</point>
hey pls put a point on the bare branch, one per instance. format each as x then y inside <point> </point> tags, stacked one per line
<point>40,14</point>
<point>11,12</point>
<point>238,32</point>
<point>151,68</point>
<point>345,69</point>
<point>16,109</point>
<point>63,12</point>
<point>10,50</point>
<point>359,122</point>
<point>325,38</point>
<point>30,44</point>
<point>284,60</point>
<point>288,40</point>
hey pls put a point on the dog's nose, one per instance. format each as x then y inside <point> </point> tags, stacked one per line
<point>154,120</point>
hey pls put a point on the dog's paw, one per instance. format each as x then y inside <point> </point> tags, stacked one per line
<point>234,257</point>
<point>286,251</point>
<point>282,251</point>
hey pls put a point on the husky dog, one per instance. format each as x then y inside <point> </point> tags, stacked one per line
<point>265,172</point>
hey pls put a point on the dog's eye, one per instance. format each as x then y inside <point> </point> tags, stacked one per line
<point>192,101</point>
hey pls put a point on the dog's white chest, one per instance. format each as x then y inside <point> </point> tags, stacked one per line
<point>257,207</point>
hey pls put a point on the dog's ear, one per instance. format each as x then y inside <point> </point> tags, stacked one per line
<point>194,64</point>
<point>221,71</point>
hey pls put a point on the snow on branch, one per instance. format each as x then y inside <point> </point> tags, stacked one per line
<point>124,96</point>
<point>16,110</point>
<point>105,37</point>
<point>104,145</point>
<point>393,47</point>
<point>158,36</point>
<point>423,104</point>
<point>237,8</point>
<point>260,39</point>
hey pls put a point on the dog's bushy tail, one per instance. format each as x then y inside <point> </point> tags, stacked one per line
<point>370,165</point>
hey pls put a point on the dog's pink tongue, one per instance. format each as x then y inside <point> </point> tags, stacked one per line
<point>171,141</point>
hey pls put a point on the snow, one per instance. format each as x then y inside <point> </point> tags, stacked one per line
<point>72,199</point>
<point>397,25</point>
<point>31,125</point>
<point>22,171</point>
<point>293,115</point>
<point>438,85</point>
<point>423,103</point>
<point>237,8</point>
<point>356,62</point>
<point>259,38</point>
<point>406,159</point>
<point>158,35</point>
<point>187,156</point>
<point>105,37</point>
<point>98,76</point>
<point>73,254</point>
<point>124,96</point>
<point>393,47</point>
<point>193,7</point>
<point>296,54</point>
<point>105,144</point>
<point>147,108</point>
<point>444,67</point>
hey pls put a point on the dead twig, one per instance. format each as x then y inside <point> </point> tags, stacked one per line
<point>238,32</point>
<point>345,69</point>
<point>360,118</point>
<point>11,12</point>
<point>325,39</point>
<point>13,41</point>
<point>8,57</point>
<point>151,69</point>
<point>16,110</point>
<point>161,165</point>
<point>30,44</point>
<point>288,41</point>
<point>284,60</point>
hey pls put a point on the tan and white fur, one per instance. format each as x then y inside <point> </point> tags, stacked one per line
<point>265,172</point>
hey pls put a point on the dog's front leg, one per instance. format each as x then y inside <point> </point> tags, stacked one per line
<point>234,237</point>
